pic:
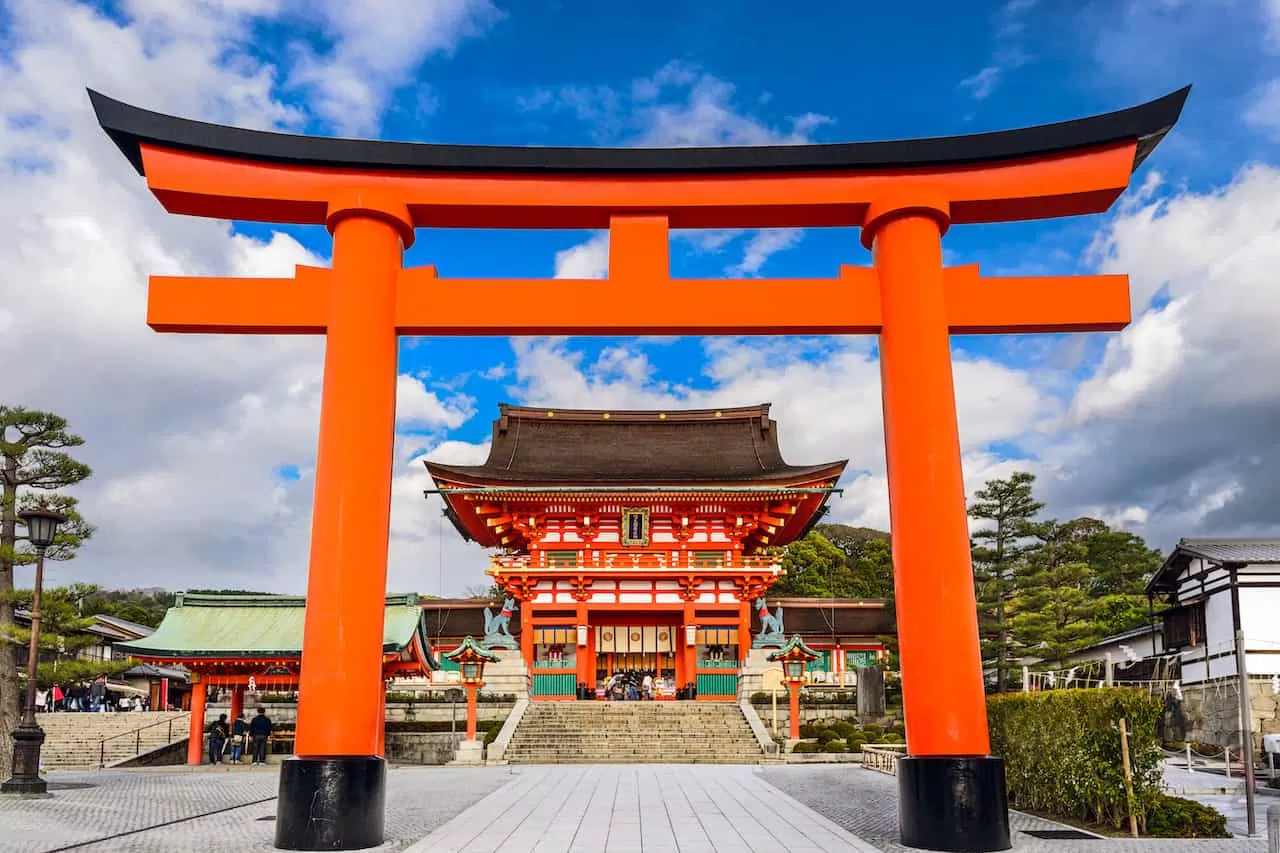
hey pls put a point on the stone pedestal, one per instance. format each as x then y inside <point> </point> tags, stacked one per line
<point>509,676</point>
<point>470,753</point>
<point>751,676</point>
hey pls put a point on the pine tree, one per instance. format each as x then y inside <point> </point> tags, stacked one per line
<point>33,463</point>
<point>1122,564</point>
<point>997,551</point>
<point>1055,613</point>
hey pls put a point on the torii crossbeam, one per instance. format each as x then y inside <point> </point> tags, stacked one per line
<point>904,195</point>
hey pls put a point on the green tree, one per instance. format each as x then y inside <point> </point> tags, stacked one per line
<point>34,462</point>
<point>1055,612</point>
<point>998,551</point>
<point>146,607</point>
<point>814,567</point>
<point>63,635</point>
<point>868,556</point>
<point>1122,564</point>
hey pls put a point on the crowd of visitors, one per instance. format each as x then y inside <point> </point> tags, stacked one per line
<point>96,695</point>
<point>238,735</point>
<point>632,685</point>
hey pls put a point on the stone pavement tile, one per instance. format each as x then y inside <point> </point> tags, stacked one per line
<point>639,809</point>
<point>117,802</point>
<point>418,801</point>
<point>865,803</point>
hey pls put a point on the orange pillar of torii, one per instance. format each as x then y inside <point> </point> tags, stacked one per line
<point>904,195</point>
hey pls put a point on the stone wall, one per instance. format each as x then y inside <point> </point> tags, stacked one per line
<point>422,747</point>
<point>813,715</point>
<point>1212,711</point>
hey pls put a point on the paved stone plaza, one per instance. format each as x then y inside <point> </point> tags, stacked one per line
<point>552,809</point>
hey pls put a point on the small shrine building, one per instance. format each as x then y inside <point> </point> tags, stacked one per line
<point>643,541</point>
<point>253,644</point>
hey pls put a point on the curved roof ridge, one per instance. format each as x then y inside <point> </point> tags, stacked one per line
<point>132,127</point>
<point>509,410</point>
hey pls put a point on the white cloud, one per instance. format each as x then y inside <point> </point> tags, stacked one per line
<point>1008,27</point>
<point>185,433</point>
<point>1264,109</point>
<point>1172,433</point>
<point>825,393</point>
<point>418,407</point>
<point>1184,404</point>
<point>983,83</point>
<point>585,260</point>
<point>680,105</point>
<point>377,45</point>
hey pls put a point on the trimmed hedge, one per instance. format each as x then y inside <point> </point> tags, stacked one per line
<point>1174,817</point>
<point>1062,752</point>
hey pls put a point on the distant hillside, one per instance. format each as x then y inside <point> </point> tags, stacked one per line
<point>836,532</point>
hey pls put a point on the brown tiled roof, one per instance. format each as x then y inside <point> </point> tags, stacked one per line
<point>703,447</point>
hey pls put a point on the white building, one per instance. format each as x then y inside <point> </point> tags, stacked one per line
<point>1218,587</point>
<point>1122,649</point>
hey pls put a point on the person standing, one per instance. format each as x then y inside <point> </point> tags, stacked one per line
<point>98,694</point>
<point>239,732</point>
<point>259,731</point>
<point>218,734</point>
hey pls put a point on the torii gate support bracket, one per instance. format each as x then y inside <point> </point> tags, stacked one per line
<point>373,196</point>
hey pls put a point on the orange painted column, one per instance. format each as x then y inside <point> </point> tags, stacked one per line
<point>942,681</point>
<point>690,651</point>
<point>237,702</point>
<point>382,728</point>
<point>581,656</point>
<point>744,631</point>
<point>472,689</point>
<point>526,632</point>
<point>195,731</point>
<point>340,691</point>
<point>795,711</point>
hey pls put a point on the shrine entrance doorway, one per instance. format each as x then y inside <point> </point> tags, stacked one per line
<point>627,648</point>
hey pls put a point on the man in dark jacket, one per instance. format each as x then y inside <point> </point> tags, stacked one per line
<point>259,731</point>
<point>218,734</point>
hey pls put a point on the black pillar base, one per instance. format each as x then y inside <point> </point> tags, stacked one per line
<point>27,740</point>
<point>953,804</point>
<point>334,803</point>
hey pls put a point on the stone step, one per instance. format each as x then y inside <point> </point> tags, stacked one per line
<point>655,760</point>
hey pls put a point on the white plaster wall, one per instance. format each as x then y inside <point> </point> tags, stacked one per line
<point>1219,626</point>
<point>1260,614</point>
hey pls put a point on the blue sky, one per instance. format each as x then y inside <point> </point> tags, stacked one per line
<point>565,74</point>
<point>203,448</point>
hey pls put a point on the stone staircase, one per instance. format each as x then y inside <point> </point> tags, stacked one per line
<point>633,733</point>
<point>73,741</point>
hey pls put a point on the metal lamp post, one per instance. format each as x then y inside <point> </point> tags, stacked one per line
<point>795,657</point>
<point>471,659</point>
<point>28,737</point>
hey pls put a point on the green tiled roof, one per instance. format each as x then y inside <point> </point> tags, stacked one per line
<point>234,626</point>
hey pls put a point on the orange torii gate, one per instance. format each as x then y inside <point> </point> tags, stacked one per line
<point>904,195</point>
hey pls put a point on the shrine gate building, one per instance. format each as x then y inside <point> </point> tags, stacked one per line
<point>645,541</point>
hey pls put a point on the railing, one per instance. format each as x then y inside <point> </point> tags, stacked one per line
<point>883,756</point>
<point>679,560</point>
<point>137,737</point>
